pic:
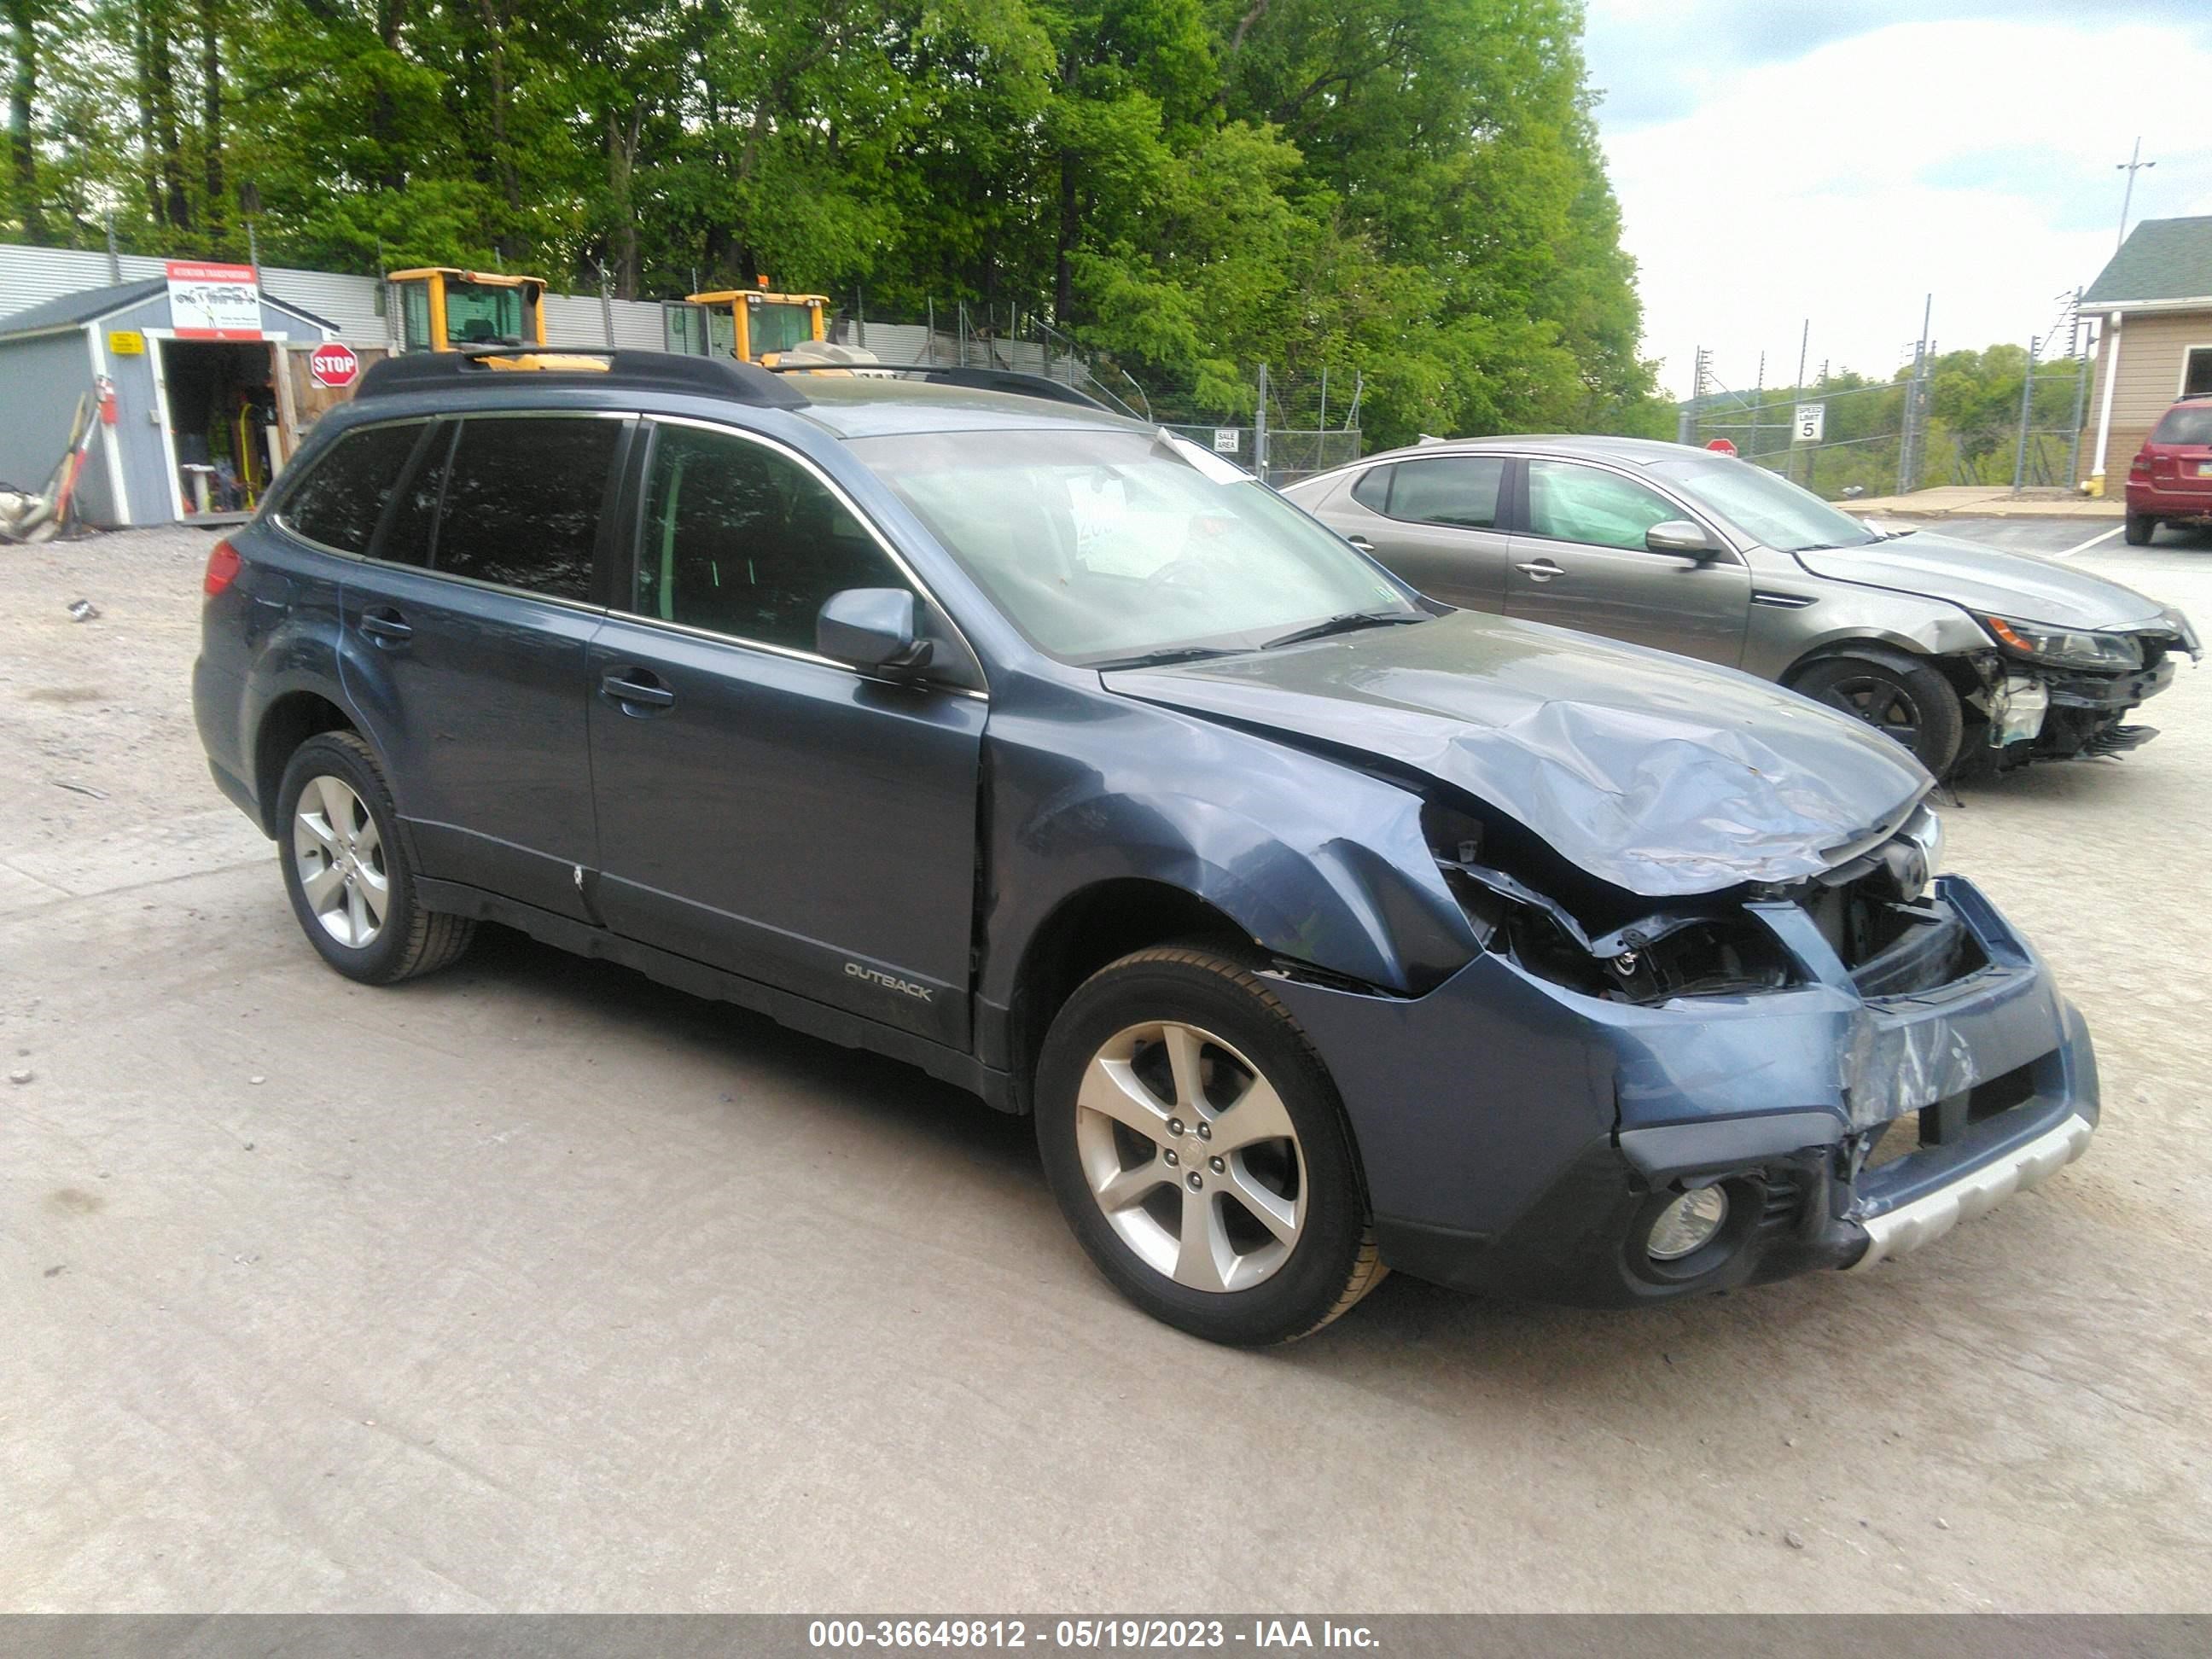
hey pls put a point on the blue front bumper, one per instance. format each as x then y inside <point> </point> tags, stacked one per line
<point>1517,1136</point>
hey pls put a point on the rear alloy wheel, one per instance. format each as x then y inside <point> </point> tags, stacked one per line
<point>346,869</point>
<point>1198,1150</point>
<point>2138,529</point>
<point>1914,705</point>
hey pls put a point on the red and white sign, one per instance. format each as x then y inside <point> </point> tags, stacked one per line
<point>1721,447</point>
<point>214,302</point>
<point>332,364</point>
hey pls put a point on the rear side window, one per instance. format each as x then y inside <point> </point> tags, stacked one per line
<point>522,501</point>
<point>340,500</point>
<point>407,538</point>
<point>1458,491</point>
<point>1373,490</point>
<point>2191,423</point>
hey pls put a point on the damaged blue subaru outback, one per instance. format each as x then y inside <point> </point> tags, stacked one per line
<point>1321,928</point>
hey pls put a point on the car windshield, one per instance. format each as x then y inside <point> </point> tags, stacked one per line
<point>1783,516</point>
<point>2185,423</point>
<point>1108,545</point>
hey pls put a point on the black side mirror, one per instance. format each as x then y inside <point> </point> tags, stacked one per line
<point>872,629</point>
<point>1680,536</point>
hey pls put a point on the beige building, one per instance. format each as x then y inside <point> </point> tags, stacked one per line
<point>2155,302</point>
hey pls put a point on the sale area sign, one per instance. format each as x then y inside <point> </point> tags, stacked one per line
<point>214,302</point>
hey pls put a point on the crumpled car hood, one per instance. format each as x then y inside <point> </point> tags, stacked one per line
<point>1987,580</point>
<point>1660,775</point>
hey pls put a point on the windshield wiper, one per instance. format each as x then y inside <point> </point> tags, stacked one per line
<point>1350,620</point>
<point>1158,658</point>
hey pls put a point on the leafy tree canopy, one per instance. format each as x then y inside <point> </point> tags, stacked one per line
<point>1408,189</point>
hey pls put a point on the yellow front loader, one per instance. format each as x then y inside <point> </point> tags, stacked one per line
<point>443,308</point>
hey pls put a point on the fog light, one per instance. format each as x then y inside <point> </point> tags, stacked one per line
<point>1688,1225</point>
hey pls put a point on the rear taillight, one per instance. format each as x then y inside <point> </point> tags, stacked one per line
<point>2141,466</point>
<point>221,567</point>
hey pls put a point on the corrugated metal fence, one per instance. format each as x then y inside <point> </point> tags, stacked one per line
<point>31,275</point>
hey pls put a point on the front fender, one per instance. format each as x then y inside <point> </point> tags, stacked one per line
<point>1781,641</point>
<point>1317,862</point>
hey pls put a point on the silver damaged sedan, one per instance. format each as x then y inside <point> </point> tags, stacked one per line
<point>1974,658</point>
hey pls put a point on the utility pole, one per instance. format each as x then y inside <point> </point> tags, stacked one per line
<point>1797,391</point>
<point>2132,166</point>
<point>1686,420</point>
<point>2026,412</point>
<point>1908,459</point>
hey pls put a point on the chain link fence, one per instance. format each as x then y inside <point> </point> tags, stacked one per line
<point>1937,420</point>
<point>1293,426</point>
<point>1281,427</point>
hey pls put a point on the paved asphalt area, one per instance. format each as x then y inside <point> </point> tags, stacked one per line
<point>535,1286</point>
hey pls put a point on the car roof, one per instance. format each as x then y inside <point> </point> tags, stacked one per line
<point>843,404</point>
<point>868,407</point>
<point>1643,451</point>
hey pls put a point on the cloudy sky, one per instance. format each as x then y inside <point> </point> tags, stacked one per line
<point>1781,160</point>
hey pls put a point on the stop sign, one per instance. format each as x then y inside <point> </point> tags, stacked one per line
<point>332,364</point>
<point>1721,447</point>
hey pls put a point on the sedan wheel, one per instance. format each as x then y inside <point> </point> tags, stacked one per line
<point>1908,701</point>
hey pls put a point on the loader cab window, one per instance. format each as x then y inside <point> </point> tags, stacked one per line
<point>779,327</point>
<point>479,314</point>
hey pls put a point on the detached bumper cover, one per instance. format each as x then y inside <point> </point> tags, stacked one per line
<point>1514,1134</point>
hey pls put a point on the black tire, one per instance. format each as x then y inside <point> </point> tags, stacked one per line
<point>2139,529</point>
<point>1330,1263</point>
<point>1911,702</point>
<point>408,940</point>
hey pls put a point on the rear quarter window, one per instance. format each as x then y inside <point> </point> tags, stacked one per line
<point>342,495</point>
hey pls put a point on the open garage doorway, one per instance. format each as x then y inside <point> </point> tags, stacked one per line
<point>218,407</point>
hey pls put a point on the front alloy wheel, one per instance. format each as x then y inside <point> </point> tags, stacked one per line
<point>1198,1148</point>
<point>1908,701</point>
<point>1191,1156</point>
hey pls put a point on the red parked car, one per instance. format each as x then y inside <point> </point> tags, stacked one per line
<point>2171,481</point>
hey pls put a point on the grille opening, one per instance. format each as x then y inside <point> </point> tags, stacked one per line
<point>1944,1122</point>
<point>2000,1093</point>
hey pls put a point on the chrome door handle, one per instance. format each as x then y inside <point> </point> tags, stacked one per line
<point>386,627</point>
<point>1540,570</point>
<point>1361,542</point>
<point>635,695</point>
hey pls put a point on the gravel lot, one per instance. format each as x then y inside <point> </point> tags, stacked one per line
<point>536,1286</point>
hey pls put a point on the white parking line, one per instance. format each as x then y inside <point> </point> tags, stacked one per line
<point>2091,543</point>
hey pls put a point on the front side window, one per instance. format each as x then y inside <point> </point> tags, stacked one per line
<point>522,501</point>
<point>1103,544</point>
<point>741,540</point>
<point>340,500</point>
<point>1573,503</point>
<point>1460,491</point>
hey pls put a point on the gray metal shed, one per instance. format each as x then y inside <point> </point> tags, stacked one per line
<point>171,425</point>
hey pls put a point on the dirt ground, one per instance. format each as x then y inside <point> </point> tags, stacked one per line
<point>535,1286</point>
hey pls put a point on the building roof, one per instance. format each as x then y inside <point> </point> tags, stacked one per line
<point>71,310</point>
<point>90,304</point>
<point>2165,259</point>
